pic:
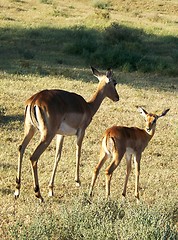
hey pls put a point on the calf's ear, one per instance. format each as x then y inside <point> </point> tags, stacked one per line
<point>164,113</point>
<point>142,111</point>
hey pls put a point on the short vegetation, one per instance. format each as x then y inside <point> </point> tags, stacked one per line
<point>99,220</point>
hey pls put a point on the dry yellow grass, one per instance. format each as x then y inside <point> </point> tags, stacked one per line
<point>159,162</point>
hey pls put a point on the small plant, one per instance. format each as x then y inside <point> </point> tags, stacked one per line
<point>102,14</point>
<point>2,111</point>
<point>101,4</point>
<point>46,1</point>
<point>18,1</point>
<point>58,13</point>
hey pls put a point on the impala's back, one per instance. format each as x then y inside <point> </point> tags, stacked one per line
<point>122,139</point>
<point>64,111</point>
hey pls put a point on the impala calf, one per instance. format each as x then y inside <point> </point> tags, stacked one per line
<point>120,140</point>
<point>61,113</point>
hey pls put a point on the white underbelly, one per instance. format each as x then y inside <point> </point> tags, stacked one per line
<point>65,129</point>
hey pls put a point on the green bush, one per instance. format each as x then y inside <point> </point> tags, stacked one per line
<point>99,221</point>
<point>116,46</point>
<point>123,48</point>
<point>101,4</point>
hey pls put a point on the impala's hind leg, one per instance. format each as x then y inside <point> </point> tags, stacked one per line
<point>109,170</point>
<point>29,132</point>
<point>44,143</point>
<point>103,157</point>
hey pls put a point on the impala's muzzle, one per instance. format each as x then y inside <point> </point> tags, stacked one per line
<point>148,129</point>
<point>117,98</point>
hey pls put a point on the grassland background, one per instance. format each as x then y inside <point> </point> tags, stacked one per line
<point>51,44</point>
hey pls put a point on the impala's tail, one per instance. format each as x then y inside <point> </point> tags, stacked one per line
<point>108,144</point>
<point>35,115</point>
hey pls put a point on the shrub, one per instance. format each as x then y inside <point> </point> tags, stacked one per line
<point>101,4</point>
<point>100,220</point>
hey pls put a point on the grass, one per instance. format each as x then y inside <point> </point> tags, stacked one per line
<point>54,50</point>
<point>101,4</point>
<point>34,48</point>
<point>124,48</point>
<point>68,213</point>
<point>102,220</point>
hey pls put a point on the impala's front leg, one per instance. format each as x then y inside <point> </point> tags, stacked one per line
<point>80,136</point>
<point>128,161</point>
<point>59,143</point>
<point>137,174</point>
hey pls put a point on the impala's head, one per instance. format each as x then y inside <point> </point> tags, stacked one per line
<point>107,83</point>
<point>151,118</point>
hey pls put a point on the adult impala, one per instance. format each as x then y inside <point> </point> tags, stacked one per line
<point>120,140</point>
<point>61,113</point>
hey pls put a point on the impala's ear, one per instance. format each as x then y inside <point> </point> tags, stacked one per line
<point>164,113</point>
<point>142,111</point>
<point>109,73</point>
<point>96,73</point>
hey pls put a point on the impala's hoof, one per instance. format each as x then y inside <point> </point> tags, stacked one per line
<point>90,194</point>
<point>50,193</point>
<point>138,200</point>
<point>40,199</point>
<point>121,213</point>
<point>123,199</point>
<point>16,194</point>
<point>78,183</point>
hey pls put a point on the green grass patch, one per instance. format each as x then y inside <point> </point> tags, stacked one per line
<point>96,221</point>
<point>101,4</point>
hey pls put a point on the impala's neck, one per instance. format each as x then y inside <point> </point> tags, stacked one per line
<point>95,102</point>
